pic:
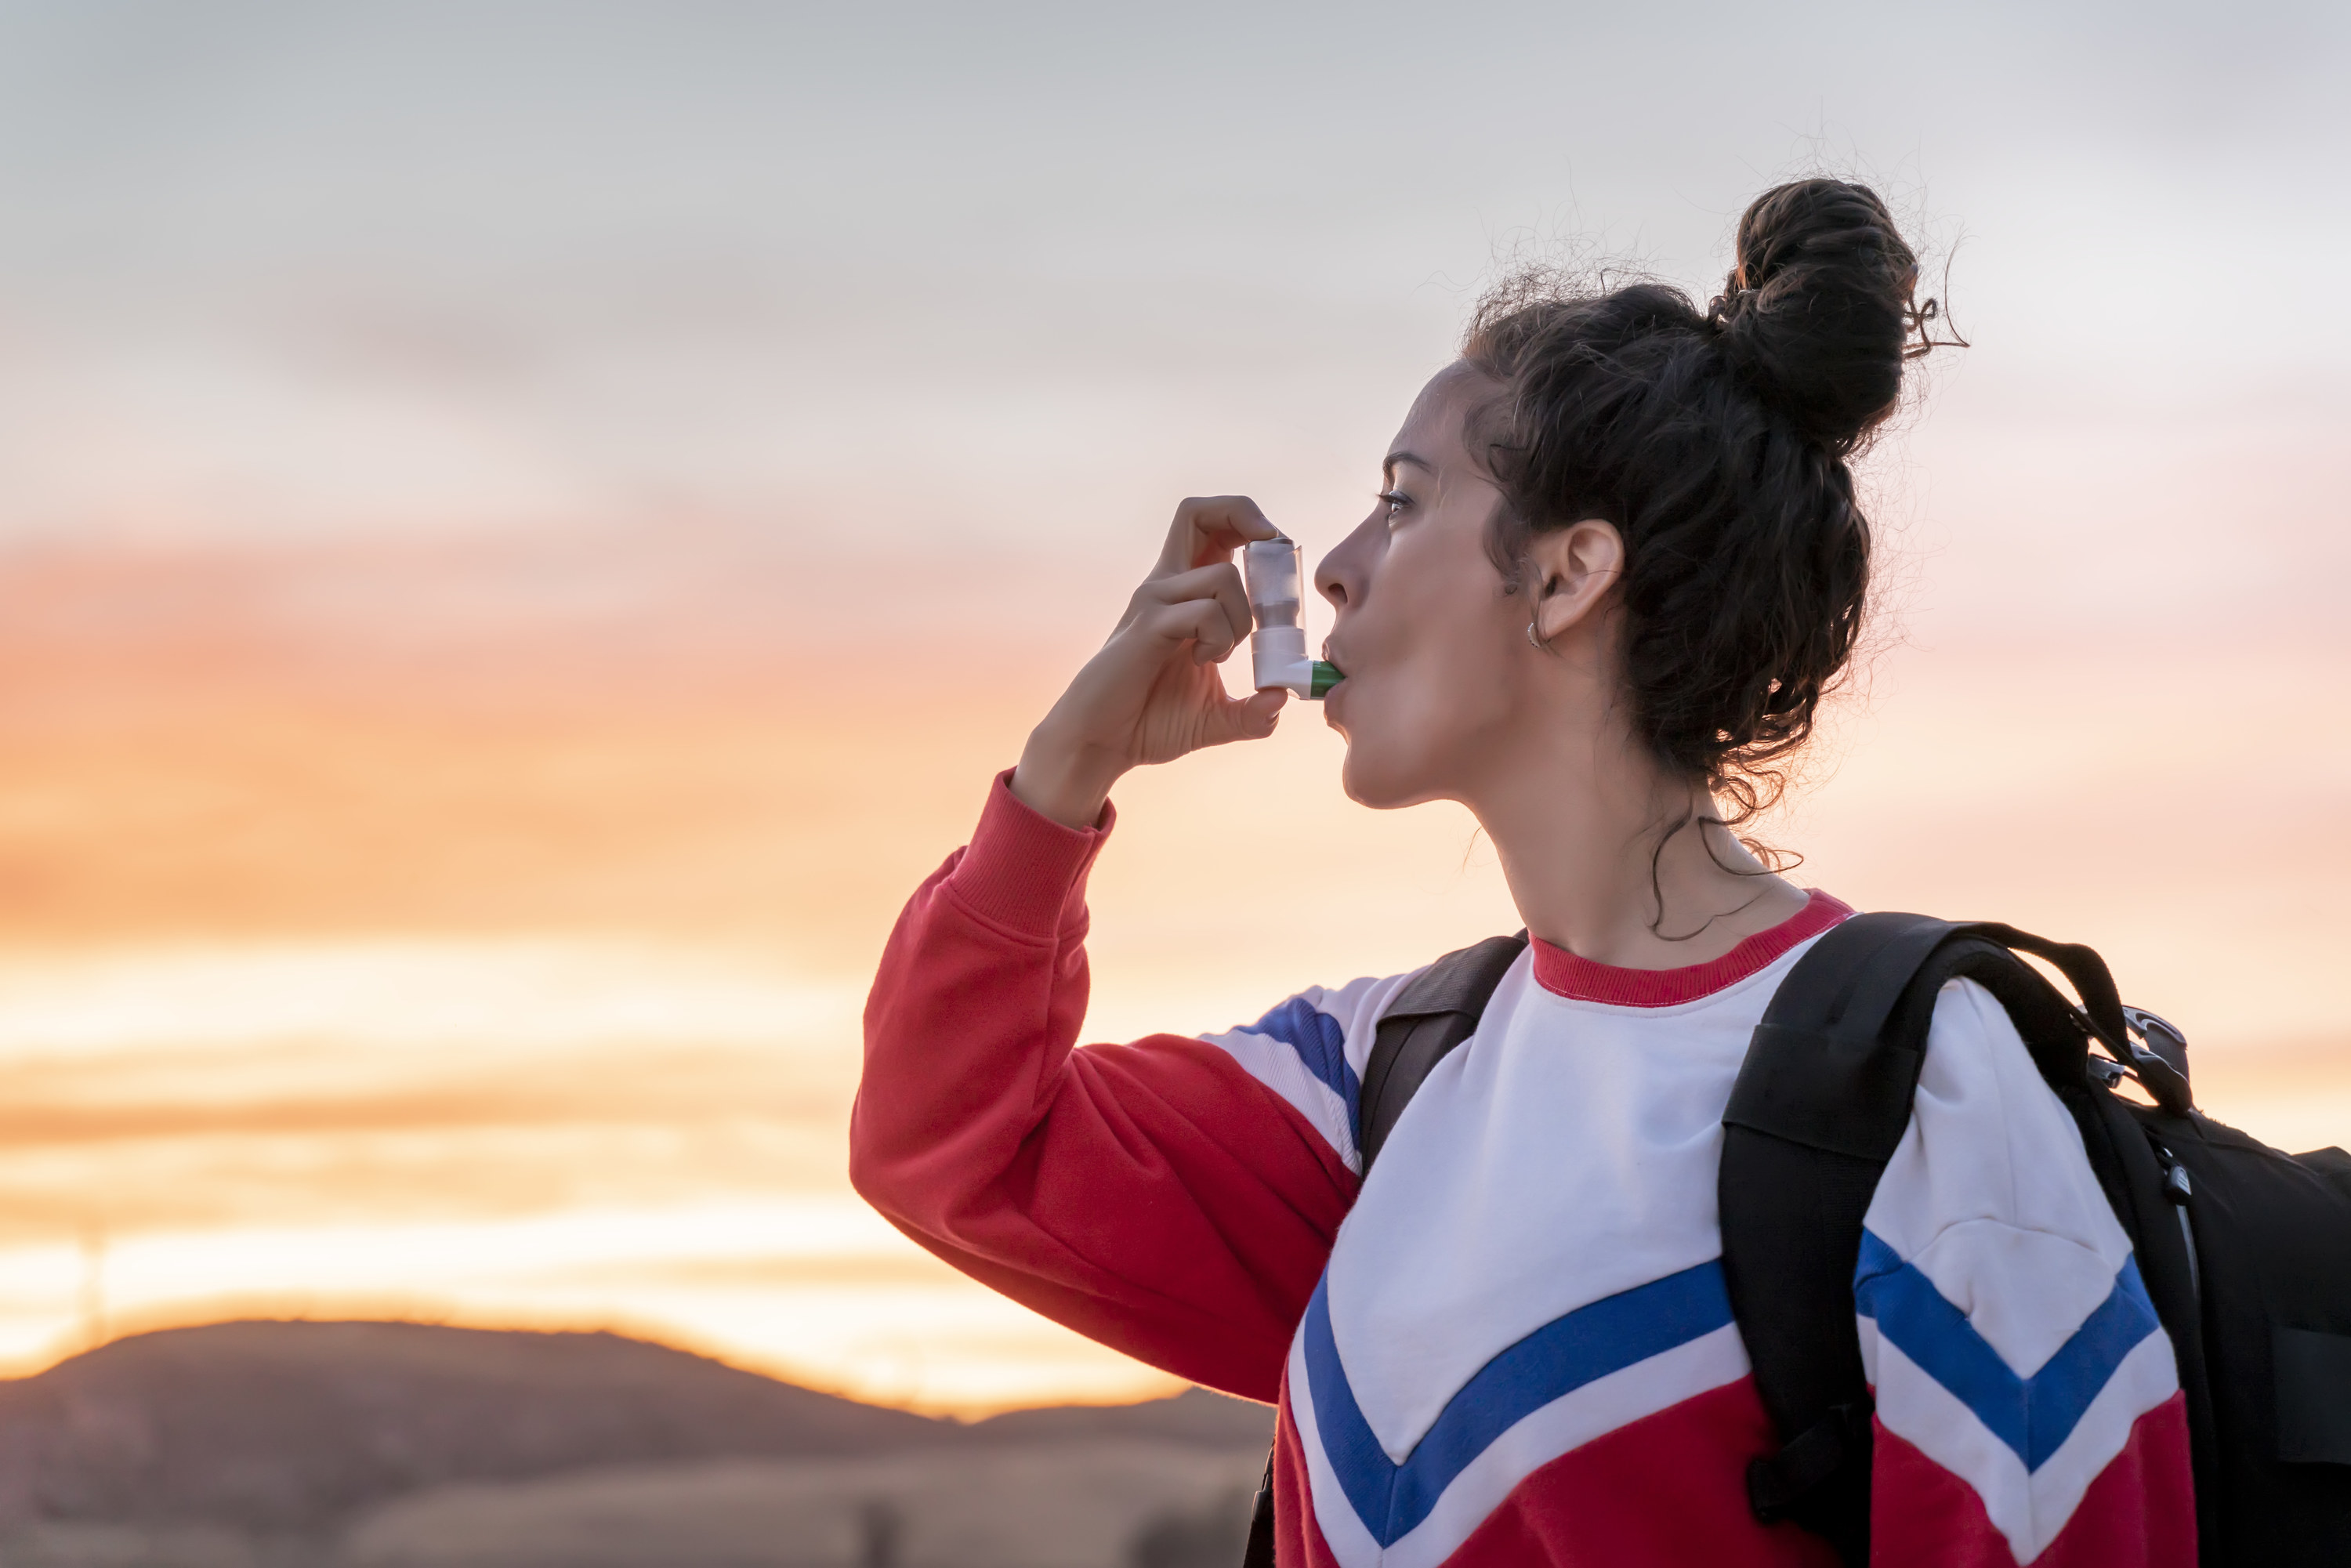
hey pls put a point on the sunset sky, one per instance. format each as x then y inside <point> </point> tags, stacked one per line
<point>524,531</point>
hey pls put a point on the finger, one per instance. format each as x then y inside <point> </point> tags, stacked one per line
<point>1221,583</point>
<point>1210,528</point>
<point>1251,717</point>
<point>1262,708</point>
<point>1200,621</point>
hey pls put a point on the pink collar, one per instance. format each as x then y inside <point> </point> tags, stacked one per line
<point>1580,980</point>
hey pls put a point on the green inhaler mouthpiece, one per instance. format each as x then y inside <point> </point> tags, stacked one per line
<point>1278,647</point>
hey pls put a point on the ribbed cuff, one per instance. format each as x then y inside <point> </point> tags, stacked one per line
<point>1024,870</point>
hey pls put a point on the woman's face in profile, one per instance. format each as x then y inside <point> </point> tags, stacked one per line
<point>1431,643</point>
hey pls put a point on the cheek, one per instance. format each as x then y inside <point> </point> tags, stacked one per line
<point>1438,701</point>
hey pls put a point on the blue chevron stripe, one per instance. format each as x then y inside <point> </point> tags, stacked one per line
<point>2036,1414</point>
<point>1587,1344</point>
<point>1322,1045</point>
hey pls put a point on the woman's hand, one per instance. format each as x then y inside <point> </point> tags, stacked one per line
<point>1153,693</point>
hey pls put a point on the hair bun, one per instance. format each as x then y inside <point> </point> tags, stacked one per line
<point>1818,308</point>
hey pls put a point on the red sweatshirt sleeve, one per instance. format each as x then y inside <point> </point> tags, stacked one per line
<point>1150,1195</point>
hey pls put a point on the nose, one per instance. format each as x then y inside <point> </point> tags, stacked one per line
<point>1343,575</point>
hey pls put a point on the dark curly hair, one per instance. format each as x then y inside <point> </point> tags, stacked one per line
<point>1716,441</point>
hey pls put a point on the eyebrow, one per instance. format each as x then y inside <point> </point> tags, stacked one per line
<point>1423,464</point>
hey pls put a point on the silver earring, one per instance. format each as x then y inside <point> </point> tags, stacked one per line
<point>1542,645</point>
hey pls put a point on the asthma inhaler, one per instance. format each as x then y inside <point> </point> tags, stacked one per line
<point>1275,575</point>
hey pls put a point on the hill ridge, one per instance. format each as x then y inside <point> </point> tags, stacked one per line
<point>294,1426</point>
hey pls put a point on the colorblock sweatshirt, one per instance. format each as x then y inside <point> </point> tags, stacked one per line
<point>1512,1344</point>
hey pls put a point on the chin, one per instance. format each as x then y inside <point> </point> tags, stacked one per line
<point>1381,788</point>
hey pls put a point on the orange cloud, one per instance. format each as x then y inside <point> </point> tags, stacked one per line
<point>526,888</point>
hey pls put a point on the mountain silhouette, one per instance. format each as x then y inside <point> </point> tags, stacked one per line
<point>287,1429</point>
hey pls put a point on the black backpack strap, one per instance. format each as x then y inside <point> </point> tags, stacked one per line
<point>1259,1550</point>
<point>1818,1107</point>
<point>1821,1102</point>
<point>1434,1013</point>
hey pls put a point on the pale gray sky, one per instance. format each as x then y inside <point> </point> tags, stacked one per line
<point>1031,271</point>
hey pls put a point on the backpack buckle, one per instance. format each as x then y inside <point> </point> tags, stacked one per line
<point>2154,1053</point>
<point>2159,1034</point>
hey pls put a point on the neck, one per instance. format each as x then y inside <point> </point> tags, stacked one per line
<point>1614,858</point>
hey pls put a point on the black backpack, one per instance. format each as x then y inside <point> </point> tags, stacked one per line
<point>2245,1252</point>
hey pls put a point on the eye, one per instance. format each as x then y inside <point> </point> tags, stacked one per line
<point>1396,499</point>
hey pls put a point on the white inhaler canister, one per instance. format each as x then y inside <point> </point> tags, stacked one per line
<point>1274,573</point>
<point>1276,579</point>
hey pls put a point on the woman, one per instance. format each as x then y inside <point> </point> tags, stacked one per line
<point>1615,563</point>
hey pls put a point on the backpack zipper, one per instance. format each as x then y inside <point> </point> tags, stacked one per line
<point>2178,1189</point>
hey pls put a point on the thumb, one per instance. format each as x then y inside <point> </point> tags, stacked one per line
<point>1246,718</point>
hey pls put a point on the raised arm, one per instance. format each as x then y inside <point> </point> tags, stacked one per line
<point>1156,1196</point>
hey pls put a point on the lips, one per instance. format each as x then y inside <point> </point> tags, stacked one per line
<point>1334,693</point>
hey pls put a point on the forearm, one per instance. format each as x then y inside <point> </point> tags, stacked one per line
<point>1064,779</point>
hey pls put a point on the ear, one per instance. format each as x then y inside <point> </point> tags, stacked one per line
<point>1572,570</point>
